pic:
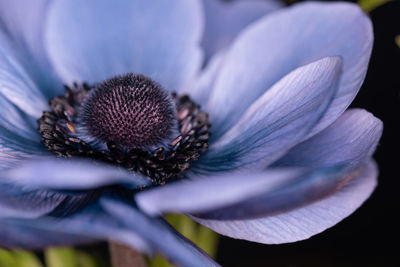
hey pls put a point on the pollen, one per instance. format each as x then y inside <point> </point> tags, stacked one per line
<point>71,127</point>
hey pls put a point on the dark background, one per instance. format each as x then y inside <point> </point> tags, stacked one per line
<point>371,236</point>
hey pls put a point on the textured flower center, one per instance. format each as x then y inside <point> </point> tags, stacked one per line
<point>128,121</point>
<point>131,111</point>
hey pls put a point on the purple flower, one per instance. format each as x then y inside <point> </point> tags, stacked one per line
<point>285,160</point>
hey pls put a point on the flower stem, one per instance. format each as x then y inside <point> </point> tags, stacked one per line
<point>124,256</point>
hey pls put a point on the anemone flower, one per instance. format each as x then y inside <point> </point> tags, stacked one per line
<point>128,138</point>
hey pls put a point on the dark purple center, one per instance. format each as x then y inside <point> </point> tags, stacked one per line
<point>131,111</point>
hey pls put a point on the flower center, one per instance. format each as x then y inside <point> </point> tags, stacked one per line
<point>132,111</point>
<point>127,121</point>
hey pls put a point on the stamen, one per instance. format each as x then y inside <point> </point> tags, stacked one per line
<point>62,136</point>
<point>71,127</point>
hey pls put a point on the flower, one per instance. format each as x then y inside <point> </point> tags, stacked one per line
<point>285,159</point>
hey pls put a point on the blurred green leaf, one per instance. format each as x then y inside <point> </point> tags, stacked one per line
<point>158,261</point>
<point>54,257</point>
<point>26,259</point>
<point>369,5</point>
<point>7,259</point>
<point>397,40</point>
<point>183,224</point>
<point>207,240</point>
<point>203,237</point>
<point>18,258</point>
<point>85,259</point>
<point>60,257</point>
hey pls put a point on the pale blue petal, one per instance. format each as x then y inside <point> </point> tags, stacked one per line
<point>18,146</point>
<point>16,84</point>
<point>159,235</point>
<point>90,223</point>
<point>120,222</point>
<point>18,130</point>
<point>24,202</point>
<point>244,195</point>
<point>22,21</point>
<point>10,158</point>
<point>306,221</point>
<point>350,140</point>
<point>65,174</point>
<point>224,20</point>
<point>12,119</point>
<point>202,87</point>
<point>212,192</point>
<point>95,40</point>
<point>14,235</point>
<point>304,189</point>
<point>277,121</point>
<point>281,42</point>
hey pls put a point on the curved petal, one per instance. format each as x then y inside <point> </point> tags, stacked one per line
<point>160,235</point>
<point>306,221</point>
<point>347,144</point>
<point>16,84</point>
<point>22,22</point>
<point>202,87</point>
<point>91,223</point>
<point>213,192</point>
<point>10,142</point>
<point>9,158</point>
<point>118,221</point>
<point>67,174</point>
<point>12,119</point>
<point>350,140</point>
<point>20,202</point>
<point>281,42</point>
<point>224,20</point>
<point>14,235</point>
<point>95,40</point>
<point>277,121</point>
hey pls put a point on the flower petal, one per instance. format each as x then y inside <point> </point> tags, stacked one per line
<point>23,20</point>
<point>281,42</point>
<point>202,88</point>
<point>350,140</point>
<point>9,157</point>
<point>22,23</point>
<point>303,222</point>
<point>16,83</point>
<point>89,224</point>
<point>12,119</point>
<point>119,221</point>
<point>213,192</point>
<point>95,40</point>
<point>347,144</point>
<point>22,202</point>
<point>277,121</point>
<point>11,143</point>
<point>160,235</point>
<point>224,20</point>
<point>14,235</point>
<point>66,174</point>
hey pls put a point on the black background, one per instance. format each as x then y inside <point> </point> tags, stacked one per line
<point>371,236</point>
